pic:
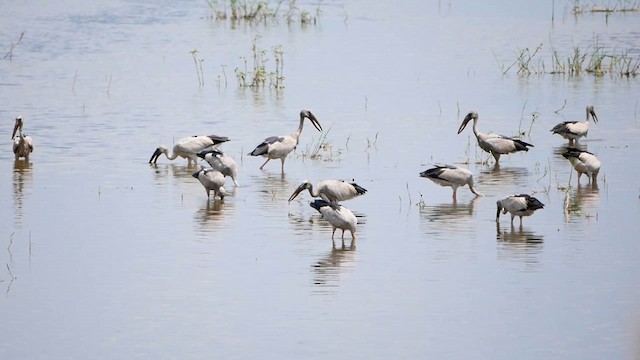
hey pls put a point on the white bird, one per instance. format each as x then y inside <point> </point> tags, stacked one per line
<point>278,147</point>
<point>518,205</point>
<point>338,216</point>
<point>448,175</point>
<point>584,162</point>
<point>23,144</point>
<point>211,180</point>
<point>221,162</point>
<point>330,190</point>
<point>574,130</point>
<point>494,144</point>
<point>188,148</point>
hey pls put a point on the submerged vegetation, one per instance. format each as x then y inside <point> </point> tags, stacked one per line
<point>617,6</point>
<point>592,59</point>
<point>259,74</point>
<point>260,11</point>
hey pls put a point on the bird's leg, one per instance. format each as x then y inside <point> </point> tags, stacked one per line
<point>512,216</point>
<point>496,156</point>
<point>282,168</point>
<point>520,221</point>
<point>333,233</point>
<point>342,237</point>
<point>265,163</point>
<point>353,237</point>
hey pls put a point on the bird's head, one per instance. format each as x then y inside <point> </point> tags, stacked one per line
<point>470,116</point>
<point>306,185</point>
<point>156,154</point>
<point>307,114</point>
<point>499,206</point>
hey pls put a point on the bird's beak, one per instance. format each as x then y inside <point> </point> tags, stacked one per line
<point>195,174</point>
<point>499,205</point>
<point>464,123</point>
<point>155,156</point>
<point>423,174</point>
<point>297,192</point>
<point>315,121</point>
<point>15,129</point>
<point>594,116</point>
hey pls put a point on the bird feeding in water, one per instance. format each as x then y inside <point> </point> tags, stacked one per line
<point>574,130</point>
<point>211,180</point>
<point>221,162</point>
<point>338,216</point>
<point>23,144</point>
<point>330,190</point>
<point>583,162</point>
<point>453,176</point>
<point>278,147</point>
<point>518,205</point>
<point>494,144</point>
<point>188,148</point>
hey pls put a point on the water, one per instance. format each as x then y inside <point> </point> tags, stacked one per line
<point>105,256</point>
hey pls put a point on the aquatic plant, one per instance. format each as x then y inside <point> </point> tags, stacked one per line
<point>9,54</point>
<point>258,76</point>
<point>593,59</point>
<point>260,11</point>
<point>198,64</point>
<point>579,8</point>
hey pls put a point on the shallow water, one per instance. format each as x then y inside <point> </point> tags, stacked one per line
<point>107,256</point>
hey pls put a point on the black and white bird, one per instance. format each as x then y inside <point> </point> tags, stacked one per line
<point>23,144</point>
<point>188,148</point>
<point>338,216</point>
<point>494,144</point>
<point>330,190</point>
<point>518,205</point>
<point>453,176</point>
<point>574,130</point>
<point>211,180</point>
<point>583,162</point>
<point>278,147</point>
<point>221,162</point>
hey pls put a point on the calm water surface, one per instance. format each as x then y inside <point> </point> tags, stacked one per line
<point>105,256</point>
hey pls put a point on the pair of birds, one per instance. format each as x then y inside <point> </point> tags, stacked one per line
<point>520,205</point>
<point>23,144</point>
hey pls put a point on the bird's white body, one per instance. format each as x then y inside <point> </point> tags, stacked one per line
<point>188,148</point>
<point>574,130</point>
<point>221,162</point>
<point>453,176</point>
<point>338,216</point>
<point>278,147</point>
<point>494,144</point>
<point>23,144</point>
<point>330,190</point>
<point>583,162</point>
<point>518,205</point>
<point>211,180</point>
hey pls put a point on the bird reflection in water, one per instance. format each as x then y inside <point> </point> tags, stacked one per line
<point>212,216</point>
<point>582,201</point>
<point>519,243</point>
<point>498,175</point>
<point>328,268</point>
<point>438,218</point>
<point>22,180</point>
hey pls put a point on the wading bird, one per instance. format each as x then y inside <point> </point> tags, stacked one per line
<point>211,180</point>
<point>188,148</point>
<point>448,175</point>
<point>330,190</point>
<point>278,147</point>
<point>221,162</point>
<point>23,144</point>
<point>584,162</point>
<point>518,205</point>
<point>338,216</point>
<point>574,130</point>
<point>494,144</point>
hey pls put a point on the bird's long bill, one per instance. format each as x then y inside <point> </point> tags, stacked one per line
<point>195,174</point>
<point>15,129</point>
<point>424,174</point>
<point>464,123</point>
<point>499,205</point>
<point>155,156</point>
<point>297,192</point>
<point>594,116</point>
<point>315,122</point>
